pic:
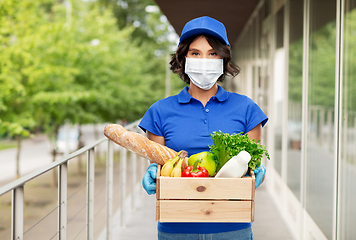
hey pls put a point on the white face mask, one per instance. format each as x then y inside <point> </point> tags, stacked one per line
<point>204,72</point>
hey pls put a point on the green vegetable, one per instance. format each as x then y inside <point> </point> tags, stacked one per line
<point>226,146</point>
<point>207,161</point>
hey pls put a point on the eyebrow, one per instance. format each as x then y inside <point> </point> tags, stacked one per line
<point>195,49</point>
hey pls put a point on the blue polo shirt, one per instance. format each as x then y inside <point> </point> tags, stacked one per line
<point>186,124</point>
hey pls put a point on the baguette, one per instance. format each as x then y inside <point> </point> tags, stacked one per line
<point>139,144</point>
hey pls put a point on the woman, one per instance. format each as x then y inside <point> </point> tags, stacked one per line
<point>185,121</point>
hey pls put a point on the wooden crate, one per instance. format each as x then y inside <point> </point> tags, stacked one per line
<point>205,199</point>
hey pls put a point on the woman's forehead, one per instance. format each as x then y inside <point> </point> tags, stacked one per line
<point>200,42</point>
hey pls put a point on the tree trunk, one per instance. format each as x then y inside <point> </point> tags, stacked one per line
<point>80,145</point>
<point>18,139</point>
<point>54,154</point>
<point>96,136</point>
<point>96,132</point>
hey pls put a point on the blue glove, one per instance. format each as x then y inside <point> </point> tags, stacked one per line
<point>149,179</point>
<point>259,174</point>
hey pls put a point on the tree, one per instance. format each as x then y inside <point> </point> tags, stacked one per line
<point>16,111</point>
<point>70,63</point>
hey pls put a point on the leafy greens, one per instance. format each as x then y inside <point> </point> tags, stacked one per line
<point>226,146</point>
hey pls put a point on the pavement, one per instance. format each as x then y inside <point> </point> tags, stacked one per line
<point>36,153</point>
<point>141,222</point>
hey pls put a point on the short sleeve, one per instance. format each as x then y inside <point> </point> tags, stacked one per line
<point>254,116</point>
<point>151,121</point>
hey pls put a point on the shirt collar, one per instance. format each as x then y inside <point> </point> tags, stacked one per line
<point>184,96</point>
<point>221,95</point>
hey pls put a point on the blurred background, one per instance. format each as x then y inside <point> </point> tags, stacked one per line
<point>69,67</point>
<point>66,69</point>
<point>67,64</point>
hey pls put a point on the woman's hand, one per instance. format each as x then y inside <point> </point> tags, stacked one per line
<point>149,179</point>
<point>260,172</point>
<point>259,175</point>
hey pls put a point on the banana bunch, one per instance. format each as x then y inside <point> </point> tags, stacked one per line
<point>173,167</point>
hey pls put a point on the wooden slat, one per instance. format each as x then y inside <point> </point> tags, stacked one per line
<point>252,174</point>
<point>252,211</point>
<point>205,211</point>
<point>158,184</point>
<point>205,188</point>
<point>205,199</point>
<point>157,190</point>
<point>157,210</point>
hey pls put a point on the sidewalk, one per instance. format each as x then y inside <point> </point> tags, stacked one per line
<point>141,223</point>
<point>268,224</point>
<point>35,153</point>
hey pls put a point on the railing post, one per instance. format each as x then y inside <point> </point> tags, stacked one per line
<point>133,179</point>
<point>109,188</point>
<point>354,138</point>
<point>17,213</point>
<point>123,157</point>
<point>62,201</point>
<point>90,194</point>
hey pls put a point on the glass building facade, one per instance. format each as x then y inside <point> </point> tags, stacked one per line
<point>298,61</point>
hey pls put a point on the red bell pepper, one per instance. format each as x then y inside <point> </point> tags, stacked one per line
<point>195,171</point>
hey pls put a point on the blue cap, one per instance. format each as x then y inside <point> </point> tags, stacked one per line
<point>204,25</point>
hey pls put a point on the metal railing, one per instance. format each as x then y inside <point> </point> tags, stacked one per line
<point>18,194</point>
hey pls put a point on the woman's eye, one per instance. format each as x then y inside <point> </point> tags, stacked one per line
<point>195,53</point>
<point>213,54</point>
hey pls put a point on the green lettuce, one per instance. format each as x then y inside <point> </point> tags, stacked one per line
<point>226,146</point>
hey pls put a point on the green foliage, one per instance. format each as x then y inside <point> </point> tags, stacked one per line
<point>15,109</point>
<point>7,145</point>
<point>148,26</point>
<point>321,80</point>
<point>72,63</point>
<point>322,66</point>
<point>227,146</point>
<point>295,82</point>
<point>349,70</point>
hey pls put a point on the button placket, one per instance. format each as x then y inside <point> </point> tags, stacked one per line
<point>206,110</point>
